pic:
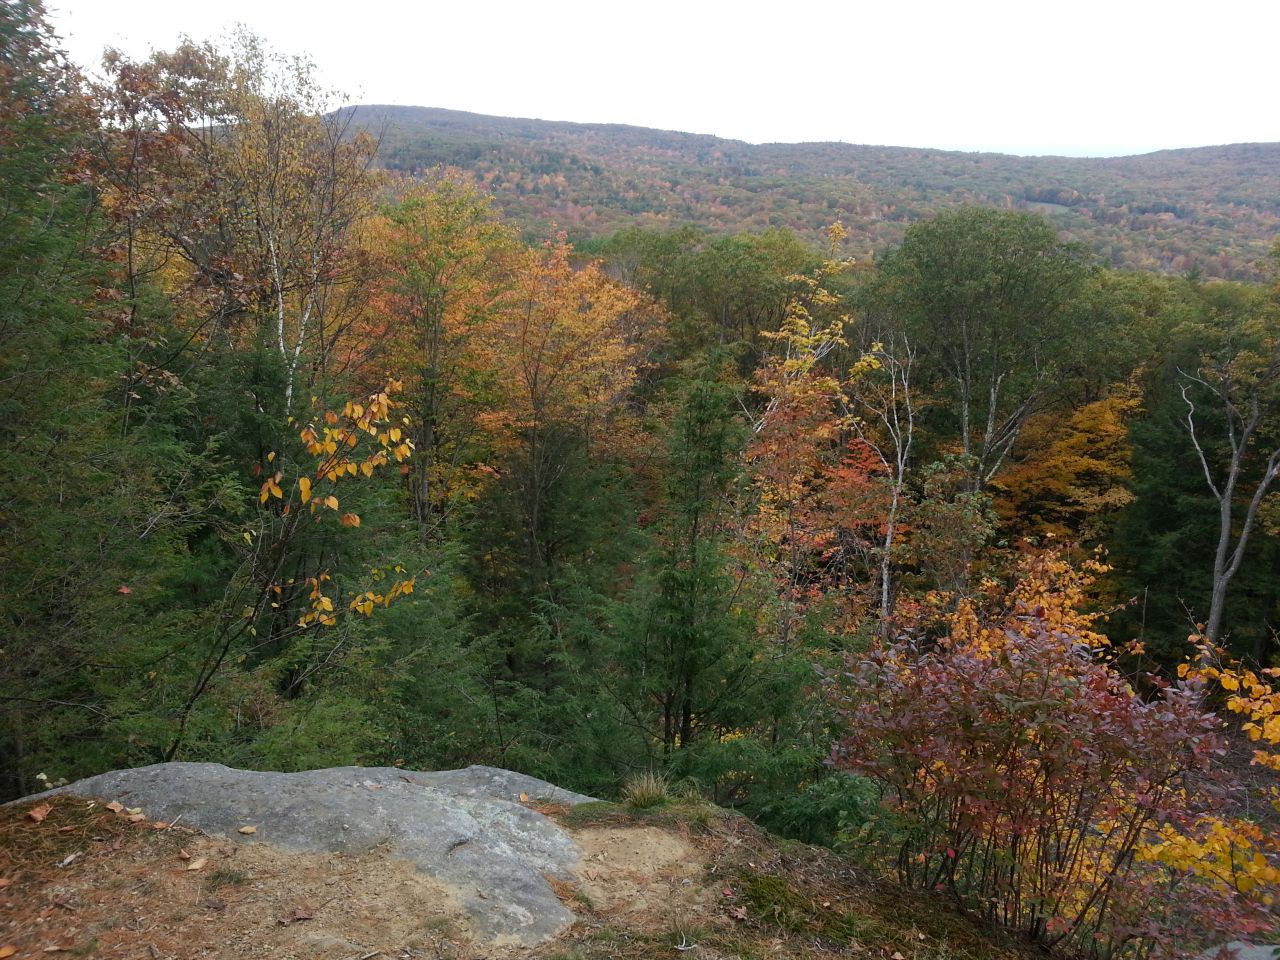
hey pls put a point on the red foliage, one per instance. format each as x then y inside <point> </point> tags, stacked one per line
<point>1027,775</point>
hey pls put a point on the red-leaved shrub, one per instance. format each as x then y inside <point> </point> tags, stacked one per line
<point>1029,778</point>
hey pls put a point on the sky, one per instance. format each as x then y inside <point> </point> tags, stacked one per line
<point>1081,78</point>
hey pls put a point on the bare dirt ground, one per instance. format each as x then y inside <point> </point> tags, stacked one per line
<point>87,881</point>
<point>138,890</point>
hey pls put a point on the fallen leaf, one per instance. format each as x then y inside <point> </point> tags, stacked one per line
<point>215,905</point>
<point>69,859</point>
<point>197,863</point>
<point>294,915</point>
<point>591,874</point>
<point>727,891</point>
<point>67,829</point>
<point>8,950</point>
<point>5,881</point>
<point>524,797</point>
<point>183,855</point>
<point>136,817</point>
<point>132,810</point>
<point>39,813</point>
<point>248,830</point>
<point>897,956</point>
<point>158,825</point>
<point>738,913</point>
<point>115,806</point>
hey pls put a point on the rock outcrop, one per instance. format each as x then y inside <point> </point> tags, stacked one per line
<point>466,829</point>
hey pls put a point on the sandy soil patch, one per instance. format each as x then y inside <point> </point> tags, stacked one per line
<point>642,873</point>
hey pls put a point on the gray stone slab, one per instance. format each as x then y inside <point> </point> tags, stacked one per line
<point>464,828</point>
<point>1239,950</point>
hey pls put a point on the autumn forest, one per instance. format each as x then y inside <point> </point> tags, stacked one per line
<point>949,539</point>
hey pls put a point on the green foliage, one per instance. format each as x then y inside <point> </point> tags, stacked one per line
<point>1164,540</point>
<point>986,298</point>
<point>720,290</point>
<point>87,528</point>
<point>825,811</point>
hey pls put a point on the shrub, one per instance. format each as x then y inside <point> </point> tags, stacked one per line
<point>1034,783</point>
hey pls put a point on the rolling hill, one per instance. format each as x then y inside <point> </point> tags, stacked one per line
<point>1215,209</point>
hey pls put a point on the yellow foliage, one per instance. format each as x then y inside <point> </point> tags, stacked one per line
<point>1070,473</point>
<point>1047,589</point>
<point>1231,853</point>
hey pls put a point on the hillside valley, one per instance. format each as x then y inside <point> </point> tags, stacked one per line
<point>1215,209</point>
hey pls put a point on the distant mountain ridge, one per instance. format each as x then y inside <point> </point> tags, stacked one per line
<point>1215,209</point>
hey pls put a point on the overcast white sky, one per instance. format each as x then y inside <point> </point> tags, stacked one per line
<point>1084,77</point>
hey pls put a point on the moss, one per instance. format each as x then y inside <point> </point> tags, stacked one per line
<point>225,877</point>
<point>695,814</point>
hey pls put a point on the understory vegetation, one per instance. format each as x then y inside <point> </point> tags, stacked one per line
<point>962,560</point>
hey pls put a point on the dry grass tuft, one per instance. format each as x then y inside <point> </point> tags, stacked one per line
<point>646,790</point>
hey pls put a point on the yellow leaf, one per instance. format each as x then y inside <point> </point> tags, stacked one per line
<point>304,485</point>
<point>331,502</point>
<point>350,520</point>
<point>248,830</point>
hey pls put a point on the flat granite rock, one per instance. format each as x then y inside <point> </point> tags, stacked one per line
<point>1240,950</point>
<point>464,828</point>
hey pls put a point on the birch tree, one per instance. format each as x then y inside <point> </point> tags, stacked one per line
<point>986,297</point>
<point>1232,399</point>
<point>236,186</point>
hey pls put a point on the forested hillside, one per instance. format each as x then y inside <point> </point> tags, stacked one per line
<point>1212,209</point>
<point>962,559</point>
